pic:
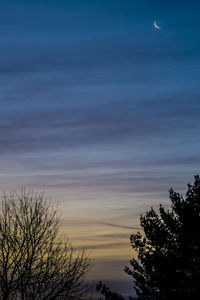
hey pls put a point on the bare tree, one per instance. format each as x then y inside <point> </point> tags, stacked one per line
<point>36,261</point>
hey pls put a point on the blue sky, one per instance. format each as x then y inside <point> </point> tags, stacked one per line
<point>99,109</point>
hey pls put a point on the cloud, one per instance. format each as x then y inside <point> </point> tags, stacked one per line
<point>119,226</point>
<point>112,236</point>
<point>117,123</point>
<point>104,246</point>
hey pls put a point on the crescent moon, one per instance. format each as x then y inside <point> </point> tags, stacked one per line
<point>156,26</point>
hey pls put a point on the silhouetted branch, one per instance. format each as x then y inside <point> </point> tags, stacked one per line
<point>36,262</point>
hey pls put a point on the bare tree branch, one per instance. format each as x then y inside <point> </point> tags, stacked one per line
<point>36,261</point>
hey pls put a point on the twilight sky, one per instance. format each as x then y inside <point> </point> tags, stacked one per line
<point>101,111</point>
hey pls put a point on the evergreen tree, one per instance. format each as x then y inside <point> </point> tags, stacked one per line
<point>168,252</point>
<point>106,292</point>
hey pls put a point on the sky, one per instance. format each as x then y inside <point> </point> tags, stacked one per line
<point>100,111</point>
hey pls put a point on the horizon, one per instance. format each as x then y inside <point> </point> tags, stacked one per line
<point>100,111</point>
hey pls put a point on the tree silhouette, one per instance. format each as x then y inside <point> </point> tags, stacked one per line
<point>105,291</point>
<point>36,262</point>
<point>168,262</point>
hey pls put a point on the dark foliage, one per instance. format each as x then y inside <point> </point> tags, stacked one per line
<point>168,262</point>
<point>106,292</point>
